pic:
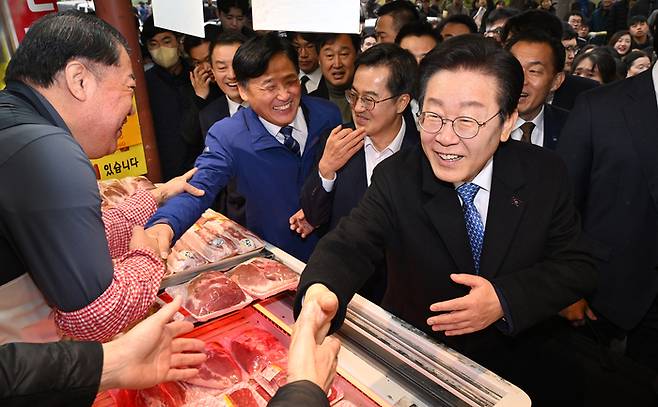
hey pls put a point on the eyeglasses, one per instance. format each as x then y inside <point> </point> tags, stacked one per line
<point>464,127</point>
<point>368,102</point>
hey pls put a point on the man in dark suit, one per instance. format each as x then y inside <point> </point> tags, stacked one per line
<point>609,146</point>
<point>479,234</point>
<point>269,147</point>
<point>380,94</point>
<point>542,58</point>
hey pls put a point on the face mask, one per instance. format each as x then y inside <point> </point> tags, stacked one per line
<point>164,56</point>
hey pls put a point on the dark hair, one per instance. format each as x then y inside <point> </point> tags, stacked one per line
<point>322,39</point>
<point>308,37</point>
<point>418,29</point>
<point>636,19</point>
<point>601,60</point>
<point>190,41</point>
<point>541,37</point>
<point>616,36</point>
<point>365,35</point>
<point>533,19</point>
<point>473,52</point>
<point>56,39</point>
<point>568,33</point>
<point>501,14</point>
<point>227,38</point>
<point>402,12</point>
<point>225,6</point>
<point>252,58</point>
<point>575,13</point>
<point>462,19</point>
<point>402,66</point>
<point>632,56</point>
<point>149,30</point>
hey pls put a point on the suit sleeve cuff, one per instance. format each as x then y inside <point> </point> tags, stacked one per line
<point>505,323</point>
<point>327,184</point>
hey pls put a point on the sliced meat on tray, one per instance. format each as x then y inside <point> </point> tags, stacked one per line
<point>183,258</point>
<point>210,292</point>
<point>254,349</point>
<point>242,398</point>
<point>263,277</point>
<point>219,371</point>
<point>170,394</point>
<point>211,246</point>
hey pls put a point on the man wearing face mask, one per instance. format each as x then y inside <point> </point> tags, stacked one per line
<point>172,98</point>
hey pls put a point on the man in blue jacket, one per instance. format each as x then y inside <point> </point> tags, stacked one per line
<point>269,147</point>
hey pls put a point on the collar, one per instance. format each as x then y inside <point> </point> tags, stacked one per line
<point>39,102</point>
<point>314,76</point>
<point>654,76</point>
<point>298,123</point>
<point>538,120</point>
<point>395,145</point>
<point>233,106</point>
<point>483,179</point>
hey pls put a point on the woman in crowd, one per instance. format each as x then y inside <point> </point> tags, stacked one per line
<point>621,43</point>
<point>636,62</point>
<point>597,65</point>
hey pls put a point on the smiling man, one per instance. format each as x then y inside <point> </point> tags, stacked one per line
<point>479,233</point>
<point>269,147</point>
<point>542,58</point>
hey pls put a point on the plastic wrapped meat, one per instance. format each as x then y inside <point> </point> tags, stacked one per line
<point>255,349</point>
<point>243,398</point>
<point>183,258</point>
<point>170,394</point>
<point>245,240</point>
<point>133,184</point>
<point>262,277</point>
<point>211,246</point>
<point>211,292</point>
<point>112,193</point>
<point>219,371</point>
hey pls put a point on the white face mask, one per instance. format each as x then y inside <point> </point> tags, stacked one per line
<point>164,56</point>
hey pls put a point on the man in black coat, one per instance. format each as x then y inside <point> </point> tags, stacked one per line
<point>609,146</point>
<point>479,234</point>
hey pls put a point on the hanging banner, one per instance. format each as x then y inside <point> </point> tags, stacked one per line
<point>331,16</point>
<point>25,12</point>
<point>182,16</point>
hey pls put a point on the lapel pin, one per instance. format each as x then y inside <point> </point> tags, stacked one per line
<point>516,201</point>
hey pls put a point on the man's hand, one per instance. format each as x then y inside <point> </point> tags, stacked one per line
<point>341,145</point>
<point>142,240</point>
<point>163,235</point>
<point>175,186</point>
<point>200,78</point>
<point>313,356</point>
<point>470,313</point>
<point>150,353</point>
<point>299,224</point>
<point>577,312</point>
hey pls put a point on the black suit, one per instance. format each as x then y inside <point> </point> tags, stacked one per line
<point>565,96</point>
<point>532,253</point>
<point>554,120</point>
<point>322,91</point>
<point>610,145</point>
<point>228,201</point>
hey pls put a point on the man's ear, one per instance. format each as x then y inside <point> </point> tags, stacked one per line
<point>78,79</point>
<point>243,93</point>
<point>508,126</point>
<point>557,81</point>
<point>402,102</point>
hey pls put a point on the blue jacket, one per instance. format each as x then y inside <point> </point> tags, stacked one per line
<point>269,175</point>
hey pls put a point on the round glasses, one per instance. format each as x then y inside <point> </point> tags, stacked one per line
<point>464,127</point>
<point>368,102</point>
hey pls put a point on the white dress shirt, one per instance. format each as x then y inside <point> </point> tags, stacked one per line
<point>537,136</point>
<point>481,200</point>
<point>654,76</point>
<point>233,107</point>
<point>299,129</point>
<point>313,79</point>
<point>373,156</point>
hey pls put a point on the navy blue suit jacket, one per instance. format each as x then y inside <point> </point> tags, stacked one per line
<point>269,175</point>
<point>554,119</point>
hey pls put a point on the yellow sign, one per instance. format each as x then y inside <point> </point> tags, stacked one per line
<point>129,158</point>
<point>127,162</point>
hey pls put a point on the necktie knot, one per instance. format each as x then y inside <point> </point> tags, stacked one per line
<point>286,131</point>
<point>304,81</point>
<point>468,191</point>
<point>288,140</point>
<point>526,130</point>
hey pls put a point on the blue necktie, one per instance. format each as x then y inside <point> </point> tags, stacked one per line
<point>474,226</point>
<point>289,141</point>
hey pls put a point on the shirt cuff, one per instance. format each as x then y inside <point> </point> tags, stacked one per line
<point>505,323</point>
<point>327,184</point>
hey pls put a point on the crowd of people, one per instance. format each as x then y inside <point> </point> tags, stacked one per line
<point>468,171</point>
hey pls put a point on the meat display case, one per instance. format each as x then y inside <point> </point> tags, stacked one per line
<point>383,360</point>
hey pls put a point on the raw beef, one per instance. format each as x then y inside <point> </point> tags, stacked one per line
<point>211,246</point>
<point>255,349</point>
<point>211,292</point>
<point>219,371</point>
<point>262,276</point>
<point>170,394</point>
<point>242,398</point>
<point>183,258</point>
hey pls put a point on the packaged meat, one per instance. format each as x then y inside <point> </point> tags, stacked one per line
<point>114,191</point>
<point>221,226</point>
<point>256,349</point>
<point>262,278</point>
<point>244,396</point>
<point>219,371</point>
<point>209,295</point>
<point>271,378</point>
<point>183,258</point>
<point>211,246</point>
<point>170,394</point>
